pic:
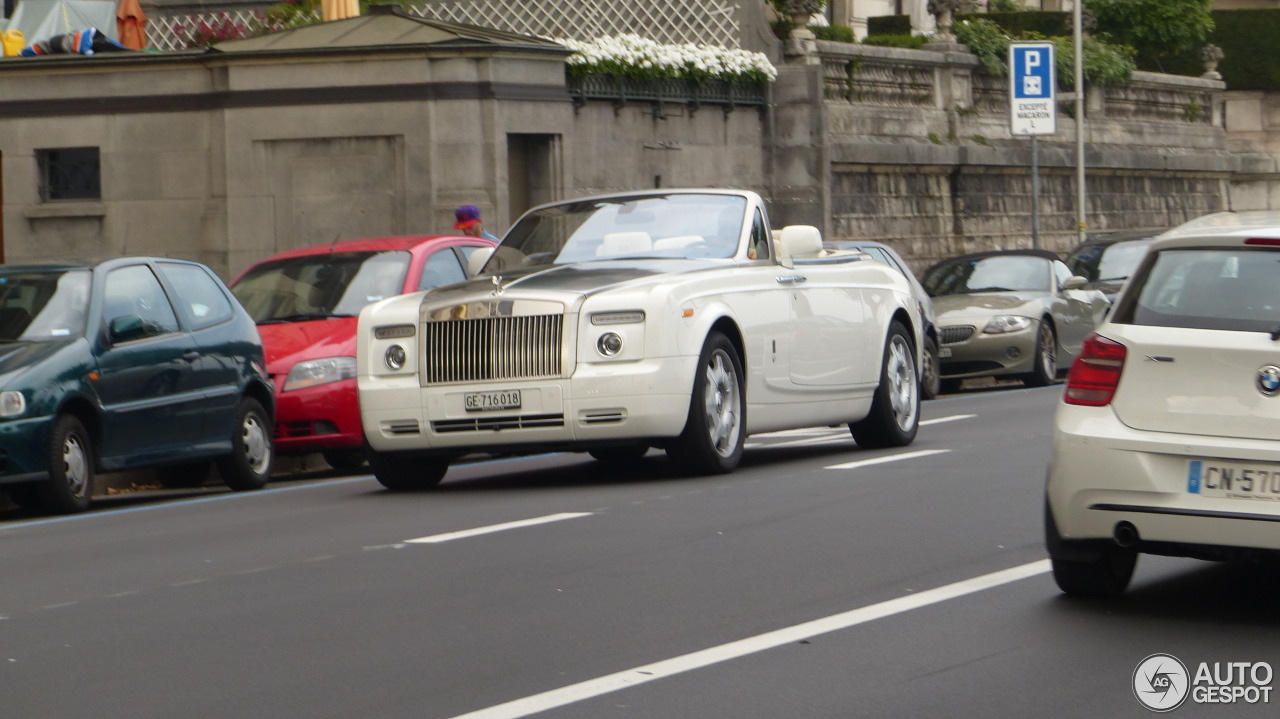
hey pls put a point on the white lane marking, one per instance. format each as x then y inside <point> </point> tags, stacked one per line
<point>890,458</point>
<point>496,528</point>
<point>952,418</point>
<point>839,436</point>
<point>770,640</point>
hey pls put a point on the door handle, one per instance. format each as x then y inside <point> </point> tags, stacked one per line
<point>191,355</point>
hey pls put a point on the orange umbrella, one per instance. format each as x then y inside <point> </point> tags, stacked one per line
<point>131,25</point>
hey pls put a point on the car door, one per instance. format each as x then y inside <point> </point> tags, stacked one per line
<point>206,310</point>
<point>832,342</point>
<point>150,402</point>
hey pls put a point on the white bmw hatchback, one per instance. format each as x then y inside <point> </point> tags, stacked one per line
<point>1167,440</point>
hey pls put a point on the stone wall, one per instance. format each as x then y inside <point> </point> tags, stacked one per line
<point>913,148</point>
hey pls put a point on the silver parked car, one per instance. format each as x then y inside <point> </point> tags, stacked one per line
<point>1009,313</point>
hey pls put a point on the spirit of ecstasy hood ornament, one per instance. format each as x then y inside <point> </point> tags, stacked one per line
<point>497,285</point>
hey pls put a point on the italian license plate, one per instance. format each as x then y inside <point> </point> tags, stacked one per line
<point>489,401</point>
<point>944,352</point>
<point>1234,480</point>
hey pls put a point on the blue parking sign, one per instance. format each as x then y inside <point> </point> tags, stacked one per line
<point>1033,107</point>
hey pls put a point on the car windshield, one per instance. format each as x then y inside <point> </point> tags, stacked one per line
<point>43,305</point>
<point>1235,289</point>
<point>320,286</point>
<point>681,225</point>
<point>1098,263</point>
<point>965,275</point>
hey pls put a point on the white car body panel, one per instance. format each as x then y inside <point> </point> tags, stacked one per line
<point>1185,395</point>
<point>811,348</point>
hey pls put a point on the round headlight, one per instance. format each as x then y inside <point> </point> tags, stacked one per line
<point>609,344</point>
<point>394,357</point>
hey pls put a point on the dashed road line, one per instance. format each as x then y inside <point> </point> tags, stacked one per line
<point>889,458</point>
<point>449,536</point>
<point>952,418</point>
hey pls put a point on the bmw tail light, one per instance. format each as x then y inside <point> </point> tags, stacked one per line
<point>1096,372</point>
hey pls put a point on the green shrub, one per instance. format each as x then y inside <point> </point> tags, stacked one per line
<point>835,33</point>
<point>911,42</point>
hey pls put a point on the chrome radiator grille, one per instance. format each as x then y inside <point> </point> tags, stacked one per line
<point>958,333</point>
<point>493,348</point>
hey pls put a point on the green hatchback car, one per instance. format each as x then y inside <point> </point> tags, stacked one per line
<point>129,363</point>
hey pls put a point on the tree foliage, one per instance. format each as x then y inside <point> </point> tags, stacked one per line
<point>1156,29</point>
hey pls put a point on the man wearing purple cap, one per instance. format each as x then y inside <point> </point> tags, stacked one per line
<point>468,220</point>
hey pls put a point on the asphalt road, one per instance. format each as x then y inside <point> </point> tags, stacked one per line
<point>819,580</point>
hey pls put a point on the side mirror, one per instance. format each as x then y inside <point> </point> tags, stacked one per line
<point>477,259</point>
<point>1075,282</point>
<point>125,328</point>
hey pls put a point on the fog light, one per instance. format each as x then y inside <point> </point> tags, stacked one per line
<point>1013,352</point>
<point>394,357</point>
<point>609,344</point>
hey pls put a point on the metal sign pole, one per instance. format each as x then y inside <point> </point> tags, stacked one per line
<point>1078,47</point>
<point>1035,192</point>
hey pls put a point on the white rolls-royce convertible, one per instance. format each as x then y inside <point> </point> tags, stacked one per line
<point>674,319</point>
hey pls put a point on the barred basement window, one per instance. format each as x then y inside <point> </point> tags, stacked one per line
<point>70,174</point>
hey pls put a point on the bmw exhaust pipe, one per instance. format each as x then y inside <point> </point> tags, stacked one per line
<point>1126,535</point>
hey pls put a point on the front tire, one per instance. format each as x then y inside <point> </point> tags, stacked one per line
<point>249,464</point>
<point>895,411</point>
<point>407,473</point>
<point>931,373</point>
<point>1045,369</point>
<point>69,488</point>
<point>714,430</point>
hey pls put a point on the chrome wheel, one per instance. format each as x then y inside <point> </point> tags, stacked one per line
<point>1047,345</point>
<point>256,443</point>
<point>900,371</point>
<point>721,401</point>
<point>75,466</point>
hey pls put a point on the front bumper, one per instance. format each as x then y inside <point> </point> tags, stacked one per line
<point>989,355</point>
<point>24,449</point>
<point>1103,473</point>
<point>317,418</point>
<point>599,404</point>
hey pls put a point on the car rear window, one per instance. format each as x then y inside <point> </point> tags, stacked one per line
<point>1210,288</point>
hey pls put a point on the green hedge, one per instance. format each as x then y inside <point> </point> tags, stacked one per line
<point>1247,39</point>
<point>889,25</point>
<point>1044,22</point>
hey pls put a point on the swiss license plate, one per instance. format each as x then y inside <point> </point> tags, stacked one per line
<point>489,401</point>
<point>1234,480</point>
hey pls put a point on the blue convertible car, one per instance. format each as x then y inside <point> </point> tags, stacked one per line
<point>128,363</point>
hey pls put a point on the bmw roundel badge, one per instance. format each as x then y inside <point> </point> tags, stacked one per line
<point>1269,380</point>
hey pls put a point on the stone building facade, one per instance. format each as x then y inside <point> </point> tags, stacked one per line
<point>383,124</point>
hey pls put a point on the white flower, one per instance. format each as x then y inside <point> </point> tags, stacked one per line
<point>618,54</point>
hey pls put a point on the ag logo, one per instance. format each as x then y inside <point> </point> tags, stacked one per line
<point>1161,682</point>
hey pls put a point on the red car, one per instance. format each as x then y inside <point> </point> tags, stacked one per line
<point>306,301</point>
